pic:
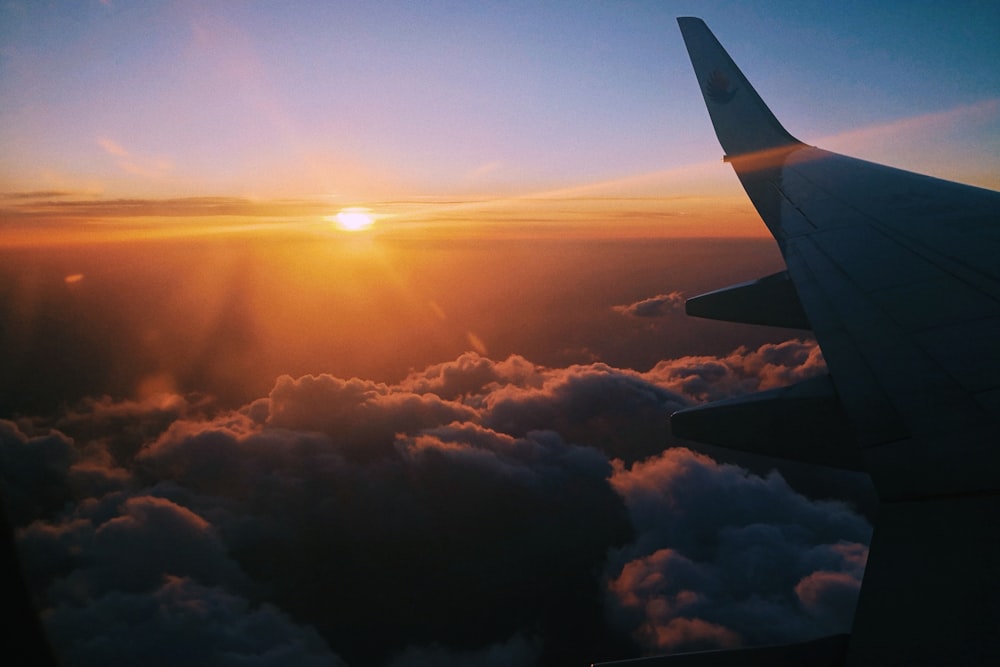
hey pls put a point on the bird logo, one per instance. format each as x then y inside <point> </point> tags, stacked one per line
<point>719,89</point>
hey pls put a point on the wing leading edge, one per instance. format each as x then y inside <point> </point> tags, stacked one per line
<point>898,276</point>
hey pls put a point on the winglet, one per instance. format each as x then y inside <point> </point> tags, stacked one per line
<point>742,121</point>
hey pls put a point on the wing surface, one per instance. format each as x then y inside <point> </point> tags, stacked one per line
<point>898,276</point>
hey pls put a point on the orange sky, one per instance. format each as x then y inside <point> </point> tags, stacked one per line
<point>703,200</point>
<point>193,156</point>
<point>227,313</point>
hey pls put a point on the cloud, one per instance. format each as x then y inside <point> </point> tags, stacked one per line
<point>483,171</point>
<point>184,622</point>
<point>124,543</point>
<point>146,167</point>
<point>655,306</point>
<point>359,414</point>
<point>516,651</point>
<point>35,472</point>
<point>743,371</point>
<point>35,206</point>
<point>620,411</point>
<point>458,535</point>
<point>476,512</point>
<point>724,558</point>
<point>40,194</point>
<point>471,376</point>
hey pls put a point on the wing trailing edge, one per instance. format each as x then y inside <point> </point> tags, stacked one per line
<point>823,652</point>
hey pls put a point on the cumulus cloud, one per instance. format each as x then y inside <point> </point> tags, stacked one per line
<point>516,651</point>
<point>35,471</point>
<point>472,375</point>
<point>183,622</point>
<point>655,306</point>
<point>723,558</point>
<point>476,512</point>
<point>743,371</point>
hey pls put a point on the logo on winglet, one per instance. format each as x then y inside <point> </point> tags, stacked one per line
<point>719,89</point>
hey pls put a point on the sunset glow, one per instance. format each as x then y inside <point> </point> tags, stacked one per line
<point>306,309</point>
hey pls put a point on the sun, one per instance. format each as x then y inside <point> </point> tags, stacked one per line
<point>354,219</point>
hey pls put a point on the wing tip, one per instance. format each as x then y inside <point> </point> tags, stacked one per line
<point>743,122</point>
<point>686,22</point>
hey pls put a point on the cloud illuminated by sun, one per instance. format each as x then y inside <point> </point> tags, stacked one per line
<point>353,219</point>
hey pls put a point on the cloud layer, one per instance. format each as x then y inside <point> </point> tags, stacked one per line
<point>477,512</point>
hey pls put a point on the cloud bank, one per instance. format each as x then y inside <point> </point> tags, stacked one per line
<point>477,512</point>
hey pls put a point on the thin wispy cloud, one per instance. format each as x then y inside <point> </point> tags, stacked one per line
<point>136,165</point>
<point>983,111</point>
<point>483,171</point>
<point>902,139</point>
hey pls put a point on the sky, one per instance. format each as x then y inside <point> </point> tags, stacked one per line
<point>233,432</point>
<point>340,104</point>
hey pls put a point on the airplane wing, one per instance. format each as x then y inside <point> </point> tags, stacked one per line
<point>898,276</point>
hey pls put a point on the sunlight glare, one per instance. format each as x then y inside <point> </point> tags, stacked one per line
<point>354,219</point>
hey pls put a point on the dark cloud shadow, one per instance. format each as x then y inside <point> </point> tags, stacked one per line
<point>474,512</point>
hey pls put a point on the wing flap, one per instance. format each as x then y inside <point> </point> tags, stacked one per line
<point>771,300</point>
<point>802,422</point>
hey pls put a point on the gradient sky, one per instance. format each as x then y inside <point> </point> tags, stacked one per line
<point>363,102</point>
<point>231,433</point>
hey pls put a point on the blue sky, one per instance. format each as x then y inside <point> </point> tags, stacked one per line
<point>382,100</point>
